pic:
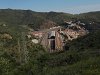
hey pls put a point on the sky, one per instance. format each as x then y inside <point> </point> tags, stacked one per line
<point>67,6</point>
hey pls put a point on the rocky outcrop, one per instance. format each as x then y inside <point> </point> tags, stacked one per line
<point>5,36</point>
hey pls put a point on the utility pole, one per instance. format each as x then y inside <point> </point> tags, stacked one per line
<point>24,48</point>
<point>19,52</point>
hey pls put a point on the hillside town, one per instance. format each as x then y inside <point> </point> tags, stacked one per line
<point>55,38</point>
